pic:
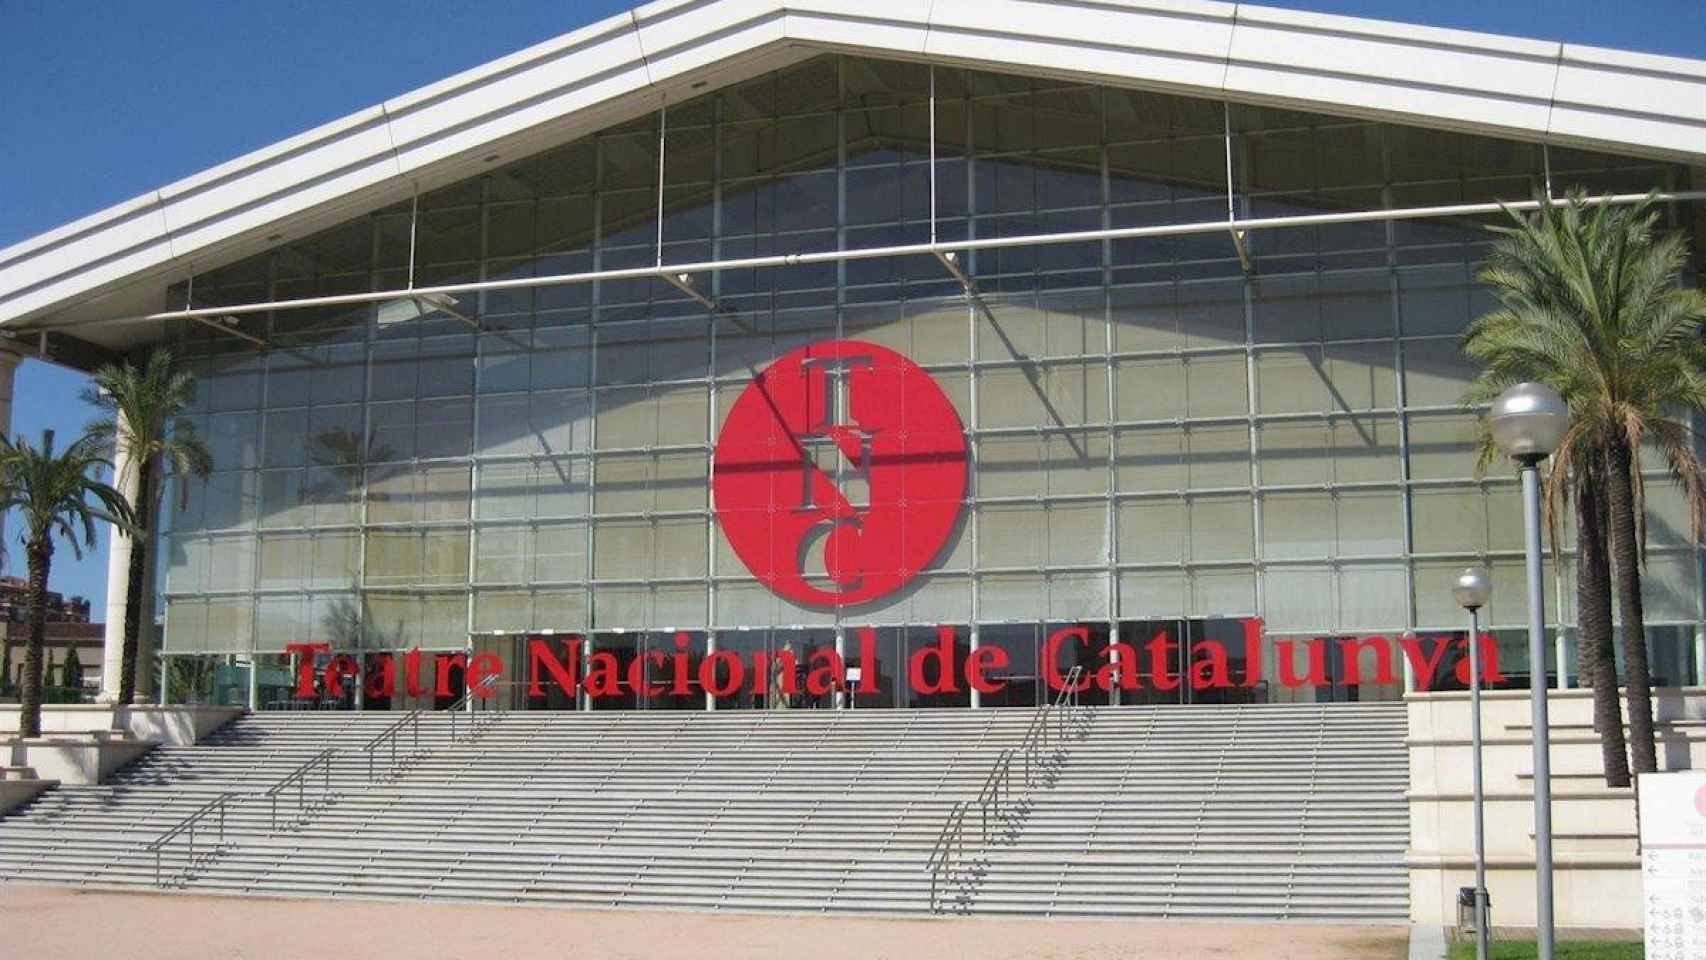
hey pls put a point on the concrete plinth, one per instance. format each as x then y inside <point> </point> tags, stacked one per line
<point>74,758</point>
<point>20,785</point>
<point>1596,865</point>
<point>179,726</point>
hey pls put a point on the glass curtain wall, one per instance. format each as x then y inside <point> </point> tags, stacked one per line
<point>1159,430</point>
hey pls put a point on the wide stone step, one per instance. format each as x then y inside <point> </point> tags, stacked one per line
<point>1259,812</point>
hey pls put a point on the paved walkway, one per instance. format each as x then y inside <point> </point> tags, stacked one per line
<point>48,922</point>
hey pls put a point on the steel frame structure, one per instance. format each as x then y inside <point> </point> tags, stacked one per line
<point>957,259</point>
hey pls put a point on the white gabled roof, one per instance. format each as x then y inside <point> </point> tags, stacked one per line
<point>118,262</point>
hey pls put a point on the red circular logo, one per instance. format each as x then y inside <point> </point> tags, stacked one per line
<point>1700,801</point>
<point>839,473</point>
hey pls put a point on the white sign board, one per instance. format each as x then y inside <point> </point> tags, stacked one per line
<point>1673,864</point>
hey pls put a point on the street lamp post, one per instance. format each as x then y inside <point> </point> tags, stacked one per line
<point>1471,591</point>
<point>1528,422</point>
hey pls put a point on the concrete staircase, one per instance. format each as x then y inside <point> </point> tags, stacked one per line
<point>1595,859</point>
<point>1255,812</point>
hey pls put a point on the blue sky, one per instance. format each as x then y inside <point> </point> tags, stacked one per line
<point>103,101</point>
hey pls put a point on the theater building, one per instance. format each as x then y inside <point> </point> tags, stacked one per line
<point>730,326</point>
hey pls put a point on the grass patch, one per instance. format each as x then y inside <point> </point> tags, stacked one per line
<point>1566,950</point>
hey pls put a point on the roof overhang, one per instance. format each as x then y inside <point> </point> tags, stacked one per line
<point>119,262</point>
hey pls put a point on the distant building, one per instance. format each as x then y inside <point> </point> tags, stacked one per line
<point>68,627</point>
<point>61,637</point>
<point>15,603</point>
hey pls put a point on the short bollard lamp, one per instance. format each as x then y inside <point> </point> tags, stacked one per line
<point>1471,590</point>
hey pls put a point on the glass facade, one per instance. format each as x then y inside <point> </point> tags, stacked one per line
<point>1164,434</point>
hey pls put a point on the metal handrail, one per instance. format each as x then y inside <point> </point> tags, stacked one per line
<point>189,824</point>
<point>997,789</point>
<point>1063,706</point>
<point>469,704</point>
<point>390,734</point>
<point>299,776</point>
<point>950,840</point>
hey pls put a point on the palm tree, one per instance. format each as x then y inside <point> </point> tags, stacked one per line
<point>146,422</point>
<point>1593,601</point>
<point>1592,305</point>
<point>52,493</point>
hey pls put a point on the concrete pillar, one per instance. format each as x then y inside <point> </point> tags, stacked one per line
<point>711,648</point>
<point>10,358</point>
<point>976,641</point>
<point>1700,656</point>
<point>1409,668</point>
<point>118,579</point>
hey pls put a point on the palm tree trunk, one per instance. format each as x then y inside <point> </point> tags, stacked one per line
<point>135,582</point>
<point>40,556</point>
<point>1627,555</point>
<point>1595,653</point>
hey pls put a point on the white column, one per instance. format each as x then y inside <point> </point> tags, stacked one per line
<point>976,640</point>
<point>118,580</point>
<point>710,648</point>
<point>9,360</point>
<point>1410,668</point>
<point>1700,656</point>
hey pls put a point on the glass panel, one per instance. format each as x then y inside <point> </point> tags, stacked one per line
<point>366,449</point>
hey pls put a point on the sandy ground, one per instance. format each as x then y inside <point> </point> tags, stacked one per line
<point>49,922</point>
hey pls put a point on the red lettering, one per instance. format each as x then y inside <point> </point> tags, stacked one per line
<point>1488,650</point>
<point>1051,658</point>
<point>787,668</point>
<point>1423,668</point>
<point>1351,651</point>
<point>484,667</point>
<point>1252,651</point>
<point>827,672</point>
<point>1217,676</point>
<point>305,665</point>
<point>341,666</point>
<point>986,658</point>
<point>1122,660</point>
<point>539,654</point>
<point>412,673</point>
<point>1158,659</point>
<point>867,660</point>
<point>639,673</point>
<point>1490,663</point>
<point>943,653</point>
<point>441,665</point>
<point>679,658</point>
<point>708,673</point>
<point>603,675</point>
<point>382,684</point>
<point>1317,676</point>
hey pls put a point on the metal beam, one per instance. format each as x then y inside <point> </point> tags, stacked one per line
<point>228,325</point>
<point>951,262</point>
<point>684,283</point>
<point>903,250</point>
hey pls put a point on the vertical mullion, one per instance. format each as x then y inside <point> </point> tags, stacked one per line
<point>711,392</point>
<point>589,589</point>
<point>973,374</point>
<point>840,289</point>
<point>1400,399</point>
<point>376,281</point>
<point>1252,391</point>
<point>482,303</point>
<point>1111,547</point>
